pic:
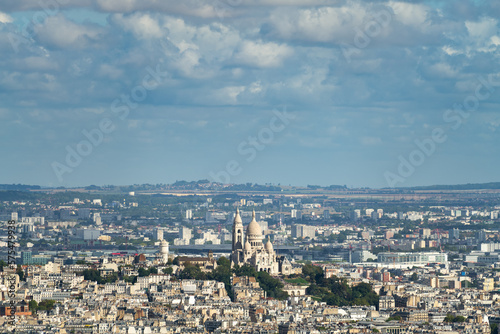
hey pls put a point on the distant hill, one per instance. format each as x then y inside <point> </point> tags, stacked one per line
<point>15,195</point>
<point>18,187</point>
<point>468,186</point>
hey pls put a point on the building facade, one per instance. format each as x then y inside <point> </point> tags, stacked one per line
<point>248,249</point>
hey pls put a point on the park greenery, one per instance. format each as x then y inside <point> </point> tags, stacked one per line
<point>451,318</point>
<point>335,290</point>
<point>94,275</point>
<point>44,305</point>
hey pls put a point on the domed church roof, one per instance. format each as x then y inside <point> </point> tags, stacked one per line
<point>254,227</point>
<point>269,246</point>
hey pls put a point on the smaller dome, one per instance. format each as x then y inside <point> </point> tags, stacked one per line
<point>248,246</point>
<point>269,246</point>
<point>163,247</point>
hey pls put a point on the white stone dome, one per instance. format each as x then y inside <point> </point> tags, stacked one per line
<point>253,228</point>
<point>269,246</point>
<point>163,247</point>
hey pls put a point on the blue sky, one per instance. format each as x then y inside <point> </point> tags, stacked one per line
<point>183,87</point>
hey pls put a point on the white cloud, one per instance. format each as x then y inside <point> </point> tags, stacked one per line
<point>479,36</point>
<point>229,95</point>
<point>36,64</point>
<point>482,30</point>
<point>197,8</point>
<point>110,71</point>
<point>410,14</point>
<point>143,26</point>
<point>4,18</point>
<point>263,55</point>
<point>324,24</point>
<point>483,35</point>
<point>450,50</point>
<point>444,70</point>
<point>61,32</point>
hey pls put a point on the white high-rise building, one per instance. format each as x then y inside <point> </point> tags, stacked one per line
<point>14,216</point>
<point>158,234</point>
<point>97,218</point>
<point>454,233</point>
<point>189,214</point>
<point>356,214</point>
<point>303,231</point>
<point>263,225</point>
<point>185,234</point>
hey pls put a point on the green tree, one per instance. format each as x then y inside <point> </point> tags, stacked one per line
<point>451,318</point>
<point>336,291</point>
<point>111,278</point>
<point>224,262</point>
<point>313,274</point>
<point>20,273</point>
<point>33,306</point>
<point>92,275</point>
<point>414,277</point>
<point>223,274</point>
<point>143,272</point>
<point>191,272</point>
<point>272,286</point>
<point>46,305</point>
<point>245,270</point>
<point>130,279</point>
